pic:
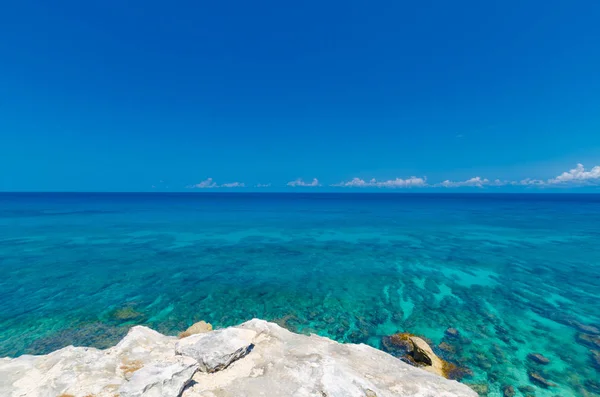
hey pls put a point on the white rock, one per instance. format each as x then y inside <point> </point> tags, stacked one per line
<point>254,359</point>
<point>287,364</point>
<point>84,371</point>
<point>216,350</point>
<point>161,379</point>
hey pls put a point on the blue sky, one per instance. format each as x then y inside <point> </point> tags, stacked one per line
<point>148,95</point>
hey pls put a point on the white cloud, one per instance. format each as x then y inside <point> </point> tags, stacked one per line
<point>398,182</point>
<point>206,184</point>
<point>577,175</point>
<point>300,182</point>
<point>209,183</point>
<point>473,182</point>
<point>356,182</point>
<point>528,182</point>
<point>392,183</point>
<point>233,184</point>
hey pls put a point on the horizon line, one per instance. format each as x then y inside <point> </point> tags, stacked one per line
<point>308,191</point>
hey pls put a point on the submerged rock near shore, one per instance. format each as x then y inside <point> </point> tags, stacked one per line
<point>256,358</point>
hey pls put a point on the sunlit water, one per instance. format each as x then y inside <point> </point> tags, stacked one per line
<point>515,274</point>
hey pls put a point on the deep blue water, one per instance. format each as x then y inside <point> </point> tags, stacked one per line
<point>514,274</point>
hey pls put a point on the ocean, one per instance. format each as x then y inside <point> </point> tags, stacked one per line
<point>515,274</point>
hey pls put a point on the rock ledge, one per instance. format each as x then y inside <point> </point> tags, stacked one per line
<point>256,358</point>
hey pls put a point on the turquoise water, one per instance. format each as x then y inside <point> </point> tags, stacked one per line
<point>515,274</point>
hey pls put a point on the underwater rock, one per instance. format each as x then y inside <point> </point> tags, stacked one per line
<point>290,322</point>
<point>447,348</point>
<point>595,355</point>
<point>198,328</point>
<point>145,364</point>
<point>493,376</point>
<point>527,389</point>
<point>498,353</point>
<point>538,358</point>
<point>592,386</point>
<point>95,334</point>
<point>480,388</point>
<point>452,333</point>
<point>456,372</point>
<point>398,345</point>
<point>126,314</point>
<point>540,380</point>
<point>431,286</point>
<point>508,391</point>
<point>500,330</point>
<point>588,340</point>
<point>586,329</point>
<point>482,361</point>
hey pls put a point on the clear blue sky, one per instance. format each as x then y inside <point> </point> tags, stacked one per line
<point>110,96</point>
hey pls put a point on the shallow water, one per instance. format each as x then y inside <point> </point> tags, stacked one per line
<point>514,274</point>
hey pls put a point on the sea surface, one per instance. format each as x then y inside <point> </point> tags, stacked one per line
<point>515,274</point>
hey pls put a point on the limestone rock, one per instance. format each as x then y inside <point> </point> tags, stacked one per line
<point>200,327</point>
<point>160,379</point>
<point>57,373</point>
<point>424,354</point>
<point>538,358</point>
<point>417,352</point>
<point>280,363</point>
<point>215,350</point>
<point>83,371</point>
<point>287,364</point>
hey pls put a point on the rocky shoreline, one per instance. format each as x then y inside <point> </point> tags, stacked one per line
<point>256,358</point>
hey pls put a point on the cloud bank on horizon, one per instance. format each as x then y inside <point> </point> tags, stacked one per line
<point>577,176</point>
<point>300,182</point>
<point>209,183</point>
<point>393,183</point>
